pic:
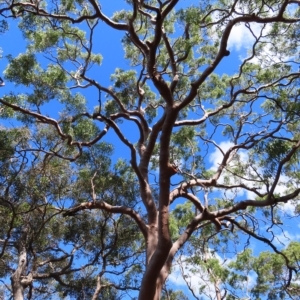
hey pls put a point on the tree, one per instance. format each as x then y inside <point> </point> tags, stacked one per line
<point>209,162</point>
<point>40,248</point>
<point>246,277</point>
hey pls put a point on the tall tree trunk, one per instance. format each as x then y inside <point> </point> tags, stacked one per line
<point>98,288</point>
<point>19,281</point>
<point>18,285</point>
<point>159,284</point>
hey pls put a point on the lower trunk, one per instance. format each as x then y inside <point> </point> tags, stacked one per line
<point>19,282</point>
<point>155,293</point>
<point>159,286</point>
<point>17,289</point>
<point>98,288</point>
<point>218,292</point>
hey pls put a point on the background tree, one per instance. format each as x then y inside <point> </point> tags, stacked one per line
<point>208,159</point>
<point>43,253</point>
<point>246,277</point>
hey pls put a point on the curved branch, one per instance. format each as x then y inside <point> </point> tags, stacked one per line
<point>110,208</point>
<point>223,47</point>
<point>107,20</point>
<point>34,9</point>
<point>47,120</point>
<point>269,243</point>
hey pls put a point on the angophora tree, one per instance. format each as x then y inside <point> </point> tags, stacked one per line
<point>182,114</point>
<point>39,247</point>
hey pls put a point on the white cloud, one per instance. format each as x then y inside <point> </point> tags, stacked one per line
<point>197,277</point>
<point>242,39</point>
<point>284,238</point>
<point>288,208</point>
<point>280,189</point>
<point>241,36</point>
<point>216,157</point>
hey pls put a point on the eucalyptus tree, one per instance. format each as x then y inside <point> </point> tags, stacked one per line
<point>215,157</point>
<point>43,253</point>
<point>245,277</point>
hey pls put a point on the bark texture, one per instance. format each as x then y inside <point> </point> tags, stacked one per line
<point>19,281</point>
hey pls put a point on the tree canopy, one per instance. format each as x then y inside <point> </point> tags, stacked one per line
<point>169,172</point>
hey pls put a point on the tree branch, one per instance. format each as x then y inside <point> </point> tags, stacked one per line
<point>113,209</point>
